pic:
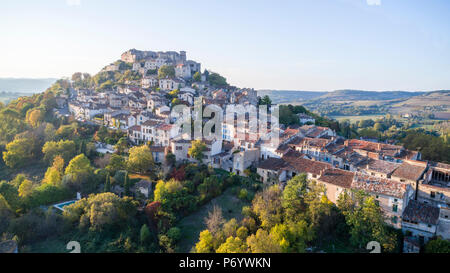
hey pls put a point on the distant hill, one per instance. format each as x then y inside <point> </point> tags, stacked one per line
<point>357,95</point>
<point>284,96</point>
<point>436,101</point>
<point>287,96</point>
<point>359,102</point>
<point>24,85</point>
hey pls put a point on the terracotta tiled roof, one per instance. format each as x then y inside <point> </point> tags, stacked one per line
<point>382,148</point>
<point>301,165</point>
<point>164,127</point>
<point>337,177</point>
<point>272,164</point>
<point>180,141</point>
<point>151,123</point>
<point>312,142</point>
<point>283,148</point>
<point>135,128</point>
<point>373,184</point>
<point>382,166</point>
<point>410,171</point>
<point>421,213</point>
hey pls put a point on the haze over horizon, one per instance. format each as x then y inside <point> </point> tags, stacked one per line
<point>380,45</point>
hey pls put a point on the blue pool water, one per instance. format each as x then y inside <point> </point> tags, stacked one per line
<point>62,205</point>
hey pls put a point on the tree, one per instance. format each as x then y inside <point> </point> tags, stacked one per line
<point>263,242</point>
<point>144,234</point>
<point>197,76</point>
<point>292,197</point>
<point>267,206</point>
<point>217,80</point>
<point>101,212</point>
<point>171,159</point>
<point>266,101</point>
<point>366,221</point>
<point>126,185</point>
<point>35,117</point>
<point>378,127</point>
<point>116,163</point>
<point>215,220</point>
<point>229,228</point>
<point>4,204</point>
<point>210,187</point>
<point>64,148</point>
<point>292,236</point>
<point>205,244</point>
<point>18,152</point>
<point>174,234</point>
<point>107,183</point>
<point>54,174</point>
<point>101,134</point>
<point>232,245</point>
<point>6,214</point>
<point>26,188</point>
<point>166,71</point>
<point>197,149</point>
<point>140,159</point>
<point>49,132</point>
<point>77,76</point>
<point>437,245</point>
<point>173,196</point>
<point>242,233</point>
<point>121,145</point>
<point>79,168</point>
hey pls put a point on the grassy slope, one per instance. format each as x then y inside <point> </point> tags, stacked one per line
<point>192,225</point>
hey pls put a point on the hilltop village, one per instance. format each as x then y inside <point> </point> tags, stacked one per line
<point>413,194</point>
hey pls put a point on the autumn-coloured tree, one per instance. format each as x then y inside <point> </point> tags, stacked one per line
<point>34,117</point>
<point>197,149</point>
<point>140,159</point>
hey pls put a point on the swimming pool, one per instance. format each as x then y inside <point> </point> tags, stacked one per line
<point>62,205</point>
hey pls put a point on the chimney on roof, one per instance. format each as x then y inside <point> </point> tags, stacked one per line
<point>379,146</point>
<point>346,143</point>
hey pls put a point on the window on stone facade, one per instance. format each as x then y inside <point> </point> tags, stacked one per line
<point>394,220</point>
<point>395,208</point>
<point>432,194</point>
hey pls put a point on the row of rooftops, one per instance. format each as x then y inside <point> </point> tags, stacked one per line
<point>414,212</point>
<point>324,172</point>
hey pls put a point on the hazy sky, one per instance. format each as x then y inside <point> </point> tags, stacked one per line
<point>298,45</point>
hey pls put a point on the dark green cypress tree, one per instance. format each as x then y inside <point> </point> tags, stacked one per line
<point>82,148</point>
<point>127,185</point>
<point>108,183</point>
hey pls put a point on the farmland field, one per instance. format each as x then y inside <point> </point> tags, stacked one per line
<point>354,119</point>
